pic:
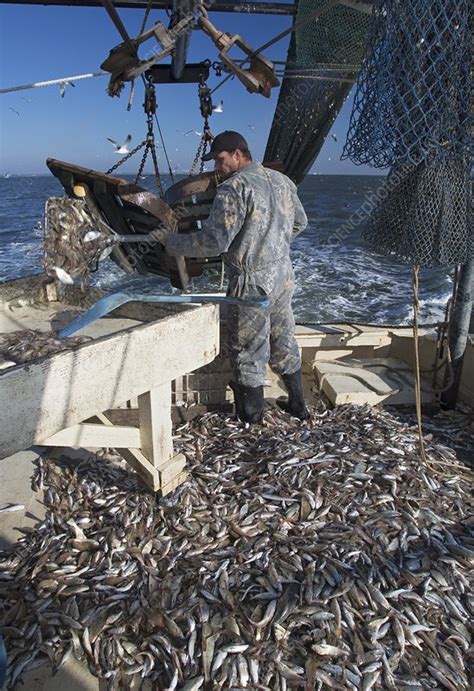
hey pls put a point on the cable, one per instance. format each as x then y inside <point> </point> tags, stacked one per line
<point>49,82</point>
<point>145,17</point>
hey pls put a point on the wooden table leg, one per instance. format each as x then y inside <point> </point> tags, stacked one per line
<point>156,437</point>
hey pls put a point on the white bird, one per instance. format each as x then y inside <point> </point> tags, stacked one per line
<point>334,137</point>
<point>121,148</point>
<point>219,108</point>
<point>252,127</point>
<point>15,111</point>
<point>63,85</point>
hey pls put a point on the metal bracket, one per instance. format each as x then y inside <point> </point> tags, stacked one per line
<point>123,62</point>
<point>259,77</point>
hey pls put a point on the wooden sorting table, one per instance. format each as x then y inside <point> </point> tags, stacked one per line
<point>46,401</point>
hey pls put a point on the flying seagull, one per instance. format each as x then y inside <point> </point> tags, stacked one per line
<point>334,137</point>
<point>219,108</point>
<point>121,148</point>
<point>63,85</point>
<point>15,111</point>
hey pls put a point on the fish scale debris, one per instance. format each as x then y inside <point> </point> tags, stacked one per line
<point>328,557</point>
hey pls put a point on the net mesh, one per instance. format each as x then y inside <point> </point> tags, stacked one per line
<point>423,218</point>
<point>412,98</point>
<point>323,59</point>
<point>412,112</point>
<point>337,37</point>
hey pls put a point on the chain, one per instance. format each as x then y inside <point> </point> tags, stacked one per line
<point>205,105</point>
<point>197,156</point>
<point>159,184</point>
<point>125,158</point>
<point>149,143</point>
<point>142,163</point>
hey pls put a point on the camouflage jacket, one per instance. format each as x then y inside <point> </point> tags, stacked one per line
<point>255,215</point>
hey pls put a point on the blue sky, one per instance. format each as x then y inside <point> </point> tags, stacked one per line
<point>40,43</point>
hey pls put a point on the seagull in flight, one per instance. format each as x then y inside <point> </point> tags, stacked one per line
<point>63,85</point>
<point>15,111</point>
<point>219,108</point>
<point>121,148</point>
<point>334,137</point>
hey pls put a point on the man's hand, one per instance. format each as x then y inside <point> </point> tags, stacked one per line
<point>160,235</point>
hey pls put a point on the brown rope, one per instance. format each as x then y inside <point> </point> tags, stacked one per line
<point>416,312</point>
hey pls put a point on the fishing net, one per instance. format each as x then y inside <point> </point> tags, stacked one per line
<point>411,112</point>
<point>423,217</point>
<point>73,244</point>
<point>338,37</point>
<point>324,57</point>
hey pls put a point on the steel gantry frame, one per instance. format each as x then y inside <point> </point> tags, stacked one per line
<point>239,6</point>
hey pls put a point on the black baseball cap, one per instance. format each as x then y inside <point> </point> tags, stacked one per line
<point>226,141</point>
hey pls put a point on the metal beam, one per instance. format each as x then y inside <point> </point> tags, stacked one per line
<point>178,62</point>
<point>284,8</point>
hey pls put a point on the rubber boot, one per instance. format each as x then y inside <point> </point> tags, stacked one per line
<point>248,402</point>
<point>295,404</point>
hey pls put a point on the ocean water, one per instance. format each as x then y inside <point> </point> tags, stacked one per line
<point>337,277</point>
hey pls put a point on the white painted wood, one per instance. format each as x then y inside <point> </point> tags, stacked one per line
<point>154,410</point>
<point>396,389</point>
<point>143,467</point>
<point>95,436</point>
<point>42,398</point>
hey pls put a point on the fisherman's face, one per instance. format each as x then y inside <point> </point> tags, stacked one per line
<point>229,161</point>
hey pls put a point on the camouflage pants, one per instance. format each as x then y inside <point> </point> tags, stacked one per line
<point>257,337</point>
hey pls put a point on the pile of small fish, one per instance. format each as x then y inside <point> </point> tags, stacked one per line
<point>318,555</point>
<point>24,346</point>
<point>74,242</point>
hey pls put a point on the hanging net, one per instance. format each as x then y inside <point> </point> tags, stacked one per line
<point>424,216</point>
<point>337,38</point>
<point>324,57</point>
<point>412,112</point>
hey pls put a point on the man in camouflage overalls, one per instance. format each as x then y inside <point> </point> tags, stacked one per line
<point>255,215</point>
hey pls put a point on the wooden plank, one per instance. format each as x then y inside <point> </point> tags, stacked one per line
<point>57,392</point>
<point>173,484</point>
<point>382,380</point>
<point>95,436</point>
<point>171,469</point>
<point>143,467</point>
<point>155,424</point>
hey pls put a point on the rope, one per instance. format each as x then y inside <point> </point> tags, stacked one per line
<point>145,17</point>
<point>314,77</point>
<point>416,310</point>
<point>297,25</point>
<point>164,148</point>
<point>49,82</point>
